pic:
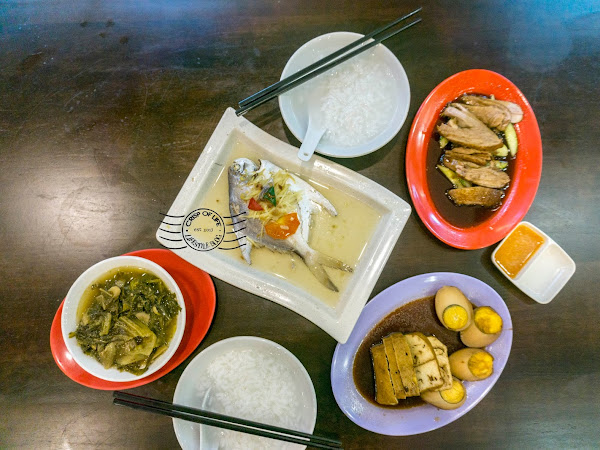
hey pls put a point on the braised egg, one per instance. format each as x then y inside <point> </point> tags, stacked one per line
<point>453,309</point>
<point>485,328</point>
<point>471,364</point>
<point>450,398</point>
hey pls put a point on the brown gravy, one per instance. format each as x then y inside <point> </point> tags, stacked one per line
<point>418,315</point>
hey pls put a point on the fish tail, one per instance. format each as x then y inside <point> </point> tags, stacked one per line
<point>319,273</point>
<point>334,263</point>
<point>315,262</point>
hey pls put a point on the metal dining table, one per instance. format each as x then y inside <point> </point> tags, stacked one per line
<point>106,106</point>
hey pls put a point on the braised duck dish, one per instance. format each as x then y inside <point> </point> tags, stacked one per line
<point>478,143</point>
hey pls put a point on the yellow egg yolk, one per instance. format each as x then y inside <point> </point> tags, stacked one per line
<point>455,317</point>
<point>488,320</point>
<point>481,364</point>
<point>455,394</point>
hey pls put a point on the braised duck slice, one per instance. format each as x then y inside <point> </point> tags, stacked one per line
<point>494,116</point>
<point>515,113</point>
<point>468,151</point>
<point>467,130</point>
<point>468,154</point>
<point>476,196</point>
<point>482,176</point>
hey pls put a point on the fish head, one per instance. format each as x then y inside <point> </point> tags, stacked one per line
<point>241,172</point>
<point>241,168</point>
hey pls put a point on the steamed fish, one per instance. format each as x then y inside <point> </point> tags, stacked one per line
<point>272,208</point>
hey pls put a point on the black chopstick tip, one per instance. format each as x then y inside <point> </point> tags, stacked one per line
<point>218,420</point>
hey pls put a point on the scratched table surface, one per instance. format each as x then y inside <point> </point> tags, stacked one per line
<point>105,108</point>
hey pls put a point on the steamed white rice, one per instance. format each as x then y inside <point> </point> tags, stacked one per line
<point>254,385</point>
<point>358,102</point>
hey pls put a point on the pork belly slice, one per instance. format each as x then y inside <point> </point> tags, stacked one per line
<point>476,196</point>
<point>466,130</point>
<point>482,176</point>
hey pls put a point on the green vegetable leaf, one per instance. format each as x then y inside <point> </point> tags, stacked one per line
<point>270,196</point>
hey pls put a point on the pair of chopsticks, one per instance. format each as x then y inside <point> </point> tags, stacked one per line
<point>222,421</point>
<point>324,64</point>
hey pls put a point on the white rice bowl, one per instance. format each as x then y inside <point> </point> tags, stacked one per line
<point>362,103</point>
<point>251,378</point>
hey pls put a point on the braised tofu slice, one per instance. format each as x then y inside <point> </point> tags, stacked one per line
<point>420,347</point>
<point>429,376</point>
<point>441,353</point>
<point>404,360</point>
<point>384,391</point>
<point>425,362</point>
<point>394,369</point>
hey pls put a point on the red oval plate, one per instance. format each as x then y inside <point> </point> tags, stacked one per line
<point>200,301</point>
<point>527,172</point>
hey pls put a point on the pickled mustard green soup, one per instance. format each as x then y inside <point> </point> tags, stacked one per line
<point>126,319</point>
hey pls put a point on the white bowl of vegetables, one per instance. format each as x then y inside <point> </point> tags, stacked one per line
<point>123,318</point>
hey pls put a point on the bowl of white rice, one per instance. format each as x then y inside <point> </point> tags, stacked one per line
<point>362,103</point>
<point>250,378</point>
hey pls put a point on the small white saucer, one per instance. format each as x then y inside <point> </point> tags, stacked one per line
<point>546,272</point>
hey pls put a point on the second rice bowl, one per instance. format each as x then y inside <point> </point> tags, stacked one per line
<point>276,389</point>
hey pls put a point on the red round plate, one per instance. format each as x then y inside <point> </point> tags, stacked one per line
<point>200,301</point>
<point>527,172</point>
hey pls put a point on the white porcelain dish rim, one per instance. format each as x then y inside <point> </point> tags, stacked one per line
<point>69,317</point>
<point>187,433</point>
<point>530,266</point>
<point>338,321</point>
<point>400,110</point>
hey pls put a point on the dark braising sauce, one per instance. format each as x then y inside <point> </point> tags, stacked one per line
<point>418,315</point>
<point>438,185</point>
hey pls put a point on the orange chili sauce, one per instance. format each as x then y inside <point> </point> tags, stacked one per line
<point>517,249</point>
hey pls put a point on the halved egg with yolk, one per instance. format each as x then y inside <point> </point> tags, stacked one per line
<point>471,364</point>
<point>485,329</point>
<point>451,398</point>
<point>453,309</point>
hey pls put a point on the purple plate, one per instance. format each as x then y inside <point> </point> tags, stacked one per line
<point>404,422</point>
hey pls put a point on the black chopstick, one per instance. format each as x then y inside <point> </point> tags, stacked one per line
<point>293,80</point>
<point>326,59</point>
<point>222,421</point>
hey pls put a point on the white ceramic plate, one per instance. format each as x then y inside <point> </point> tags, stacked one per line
<point>191,388</point>
<point>294,107</point>
<point>336,320</point>
<point>69,317</point>
<point>404,422</point>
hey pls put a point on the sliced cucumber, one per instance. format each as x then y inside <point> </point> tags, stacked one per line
<point>498,165</point>
<point>455,179</point>
<point>502,151</point>
<point>443,141</point>
<point>511,139</point>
